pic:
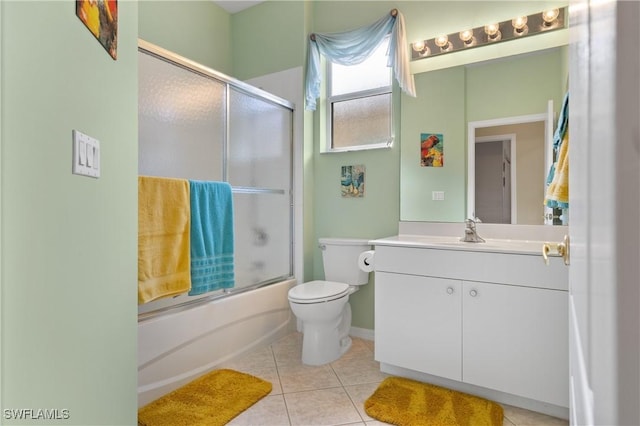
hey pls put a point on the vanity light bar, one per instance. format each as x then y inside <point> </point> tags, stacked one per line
<point>521,26</point>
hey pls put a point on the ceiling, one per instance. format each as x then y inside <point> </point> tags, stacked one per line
<point>233,6</point>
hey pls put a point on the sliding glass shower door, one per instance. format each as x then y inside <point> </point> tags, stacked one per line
<point>195,123</point>
<point>259,170</point>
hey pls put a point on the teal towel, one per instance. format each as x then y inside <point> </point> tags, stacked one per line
<point>211,237</point>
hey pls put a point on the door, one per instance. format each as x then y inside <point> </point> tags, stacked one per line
<point>604,211</point>
<point>515,340</point>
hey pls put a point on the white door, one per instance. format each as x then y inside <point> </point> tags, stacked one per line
<point>604,212</point>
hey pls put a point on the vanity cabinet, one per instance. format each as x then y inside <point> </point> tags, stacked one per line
<point>495,320</point>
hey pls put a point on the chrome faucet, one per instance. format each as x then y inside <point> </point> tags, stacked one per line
<point>470,232</point>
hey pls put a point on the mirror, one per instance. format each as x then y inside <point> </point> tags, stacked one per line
<point>458,104</point>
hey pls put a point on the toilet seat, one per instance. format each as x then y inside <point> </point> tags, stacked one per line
<point>318,291</point>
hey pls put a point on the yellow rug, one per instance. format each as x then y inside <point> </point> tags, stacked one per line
<point>213,399</point>
<point>406,402</point>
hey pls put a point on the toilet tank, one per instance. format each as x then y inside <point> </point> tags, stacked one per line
<point>340,260</point>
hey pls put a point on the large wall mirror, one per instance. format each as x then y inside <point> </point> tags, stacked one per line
<point>496,112</point>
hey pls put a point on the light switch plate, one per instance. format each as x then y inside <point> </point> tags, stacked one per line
<point>86,155</point>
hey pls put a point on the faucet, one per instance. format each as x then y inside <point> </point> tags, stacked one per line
<point>470,233</point>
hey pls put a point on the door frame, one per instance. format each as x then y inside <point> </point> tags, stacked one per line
<point>505,121</point>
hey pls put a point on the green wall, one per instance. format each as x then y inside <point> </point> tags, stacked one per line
<point>196,29</point>
<point>498,89</point>
<point>69,245</point>
<point>282,24</point>
<point>443,112</point>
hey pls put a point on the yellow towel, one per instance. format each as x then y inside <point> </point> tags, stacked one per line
<point>558,190</point>
<point>164,220</point>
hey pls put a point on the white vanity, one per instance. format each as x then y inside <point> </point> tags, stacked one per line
<point>486,318</point>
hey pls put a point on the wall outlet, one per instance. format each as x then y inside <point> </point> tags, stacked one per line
<point>437,195</point>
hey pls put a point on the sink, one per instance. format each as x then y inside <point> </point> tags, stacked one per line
<point>453,243</point>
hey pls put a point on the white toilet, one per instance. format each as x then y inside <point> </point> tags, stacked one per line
<point>323,306</point>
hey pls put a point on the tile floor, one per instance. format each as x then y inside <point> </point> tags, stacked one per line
<point>331,394</point>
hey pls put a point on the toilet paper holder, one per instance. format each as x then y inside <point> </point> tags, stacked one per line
<point>366,260</point>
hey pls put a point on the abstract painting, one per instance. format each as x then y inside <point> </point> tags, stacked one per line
<point>101,18</point>
<point>431,150</point>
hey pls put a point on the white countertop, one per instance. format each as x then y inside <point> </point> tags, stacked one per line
<point>529,247</point>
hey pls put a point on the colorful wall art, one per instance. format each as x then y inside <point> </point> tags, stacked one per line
<point>352,181</point>
<point>101,18</point>
<point>431,150</point>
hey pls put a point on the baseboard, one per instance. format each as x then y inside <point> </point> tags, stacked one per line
<point>363,333</point>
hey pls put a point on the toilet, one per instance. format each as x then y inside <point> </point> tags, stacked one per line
<point>322,306</point>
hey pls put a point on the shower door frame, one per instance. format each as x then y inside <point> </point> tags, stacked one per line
<point>247,89</point>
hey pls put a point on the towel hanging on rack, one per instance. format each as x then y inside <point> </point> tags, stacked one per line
<point>557,195</point>
<point>212,244</point>
<point>163,238</point>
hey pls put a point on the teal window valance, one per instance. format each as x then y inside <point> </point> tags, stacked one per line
<point>354,46</point>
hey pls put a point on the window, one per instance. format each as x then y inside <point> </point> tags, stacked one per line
<point>359,104</point>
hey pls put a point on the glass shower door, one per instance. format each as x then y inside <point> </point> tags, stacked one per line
<point>259,168</point>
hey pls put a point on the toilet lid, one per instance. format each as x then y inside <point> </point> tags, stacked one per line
<point>318,291</point>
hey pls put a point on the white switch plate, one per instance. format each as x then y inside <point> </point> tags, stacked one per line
<point>86,155</point>
<point>437,195</point>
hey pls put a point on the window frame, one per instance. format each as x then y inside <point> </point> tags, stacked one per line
<point>327,146</point>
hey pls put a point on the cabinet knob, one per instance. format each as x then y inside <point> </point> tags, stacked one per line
<point>473,293</point>
<point>449,290</point>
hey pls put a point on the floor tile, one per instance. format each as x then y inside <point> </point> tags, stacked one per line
<point>357,371</point>
<point>256,360</point>
<point>522,417</point>
<point>321,407</point>
<point>304,378</point>
<point>269,411</point>
<point>359,394</point>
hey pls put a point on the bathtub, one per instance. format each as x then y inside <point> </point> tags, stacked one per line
<point>174,348</point>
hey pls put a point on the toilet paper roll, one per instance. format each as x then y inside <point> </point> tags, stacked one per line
<point>366,260</point>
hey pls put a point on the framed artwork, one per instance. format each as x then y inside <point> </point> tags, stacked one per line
<point>431,150</point>
<point>101,18</point>
<point>352,181</point>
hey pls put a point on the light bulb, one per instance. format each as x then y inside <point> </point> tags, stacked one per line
<point>549,16</point>
<point>492,29</point>
<point>466,36</point>
<point>418,46</point>
<point>441,41</point>
<point>520,27</point>
<point>493,32</point>
<point>519,23</point>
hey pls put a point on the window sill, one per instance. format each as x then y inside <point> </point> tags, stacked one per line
<point>384,145</point>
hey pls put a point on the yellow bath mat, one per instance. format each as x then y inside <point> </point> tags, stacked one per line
<point>213,399</point>
<point>403,402</point>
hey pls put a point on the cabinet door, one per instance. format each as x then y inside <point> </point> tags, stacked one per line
<point>418,323</point>
<point>516,340</point>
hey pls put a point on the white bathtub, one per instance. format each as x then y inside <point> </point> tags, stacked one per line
<point>174,348</point>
